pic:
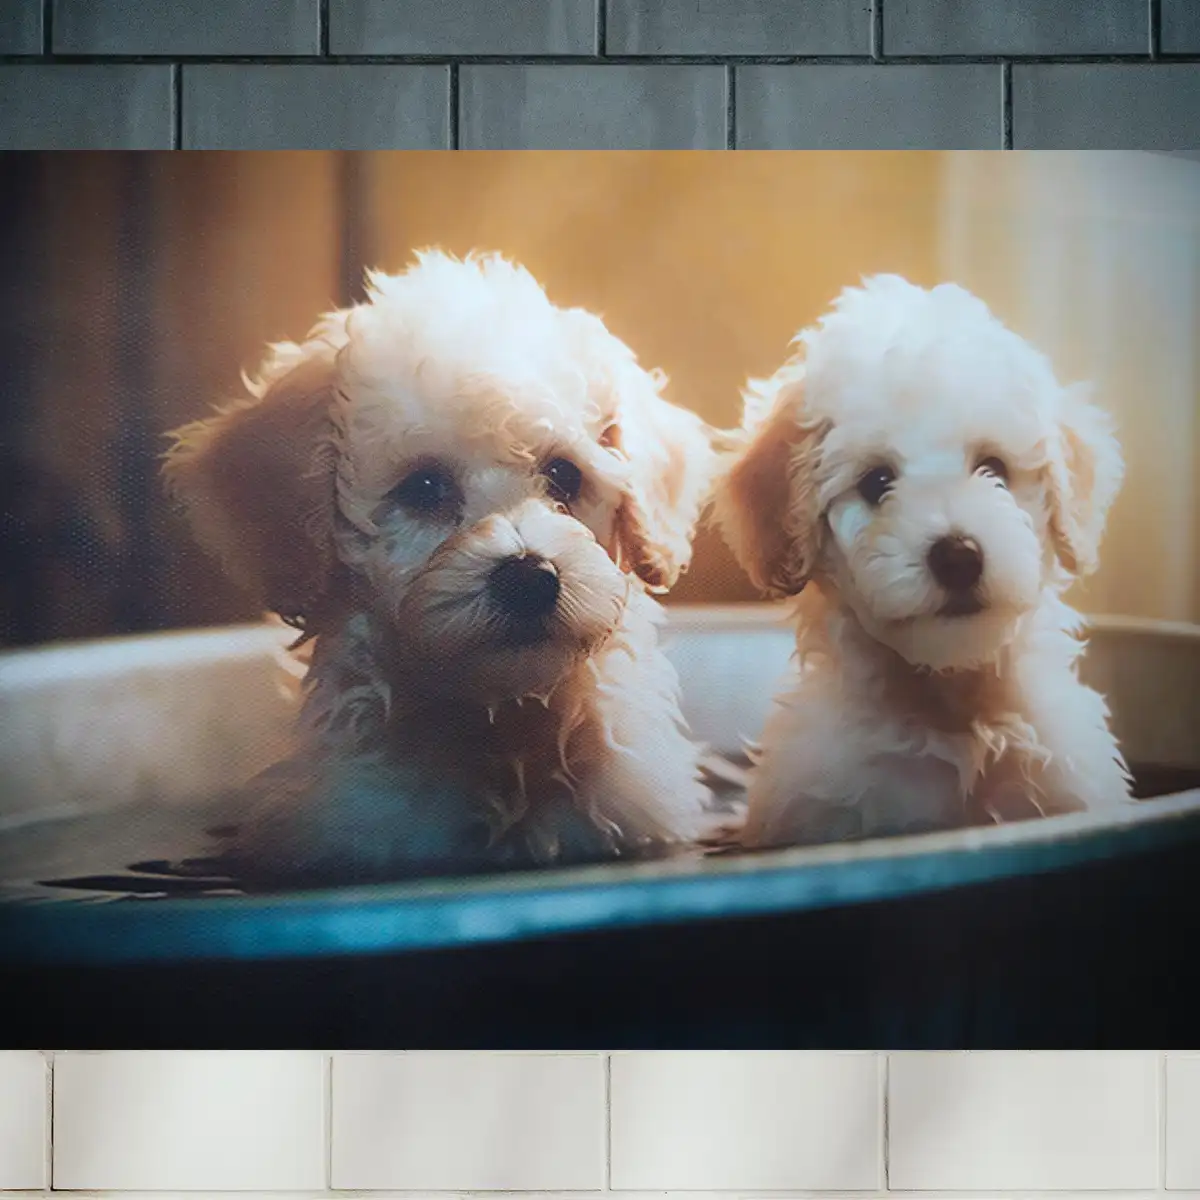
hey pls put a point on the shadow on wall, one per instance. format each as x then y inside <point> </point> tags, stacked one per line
<point>136,292</point>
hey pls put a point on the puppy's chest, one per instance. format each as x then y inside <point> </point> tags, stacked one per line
<point>970,724</point>
<point>956,705</point>
<point>530,749</point>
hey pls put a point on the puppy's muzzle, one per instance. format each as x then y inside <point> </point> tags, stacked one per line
<point>524,591</point>
<point>956,562</point>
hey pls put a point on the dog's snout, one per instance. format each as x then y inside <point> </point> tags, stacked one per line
<point>525,587</point>
<point>956,562</point>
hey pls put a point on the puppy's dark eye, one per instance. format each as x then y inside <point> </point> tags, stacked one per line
<point>994,467</point>
<point>428,489</point>
<point>876,484</point>
<point>565,479</point>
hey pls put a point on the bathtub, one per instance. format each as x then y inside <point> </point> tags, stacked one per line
<point>1067,932</point>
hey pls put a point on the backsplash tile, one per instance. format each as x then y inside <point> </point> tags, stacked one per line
<point>1105,106</point>
<point>259,27</point>
<point>23,1110</point>
<point>932,27</point>
<point>639,1125</point>
<point>21,27</point>
<point>463,1121</point>
<point>462,27</point>
<point>1183,1121</point>
<point>919,73</point>
<point>786,1120</point>
<point>592,107</point>
<point>747,27</point>
<point>315,107</point>
<point>1023,1121</point>
<point>841,107</point>
<point>104,106</point>
<point>189,1120</point>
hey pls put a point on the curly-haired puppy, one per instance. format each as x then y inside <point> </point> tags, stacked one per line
<point>464,494</point>
<point>919,472</point>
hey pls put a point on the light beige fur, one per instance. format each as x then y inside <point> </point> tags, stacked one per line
<point>902,715</point>
<point>428,740</point>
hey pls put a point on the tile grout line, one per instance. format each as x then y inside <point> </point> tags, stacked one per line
<point>593,60</point>
<point>323,29</point>
<point>1006,106</point>
<point>327,1081</point>
<point>885,1066</point>
<point>1160,1099</point>
<point>607,1114</point>
<point>454,104</point>
<point>1154,16</point>
<point>47,28</point>
<point>731,107</point>
<point>176,106</point>
<point>48,1149</point>
<point>877,30</point>
<point>602,28</point>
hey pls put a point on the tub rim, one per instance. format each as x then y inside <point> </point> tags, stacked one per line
<point>61,661</point>
<point>775,615</point>
<point>457,913</point>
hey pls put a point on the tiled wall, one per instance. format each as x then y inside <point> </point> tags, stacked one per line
<point>630,74</point>
<point>744,1123</point>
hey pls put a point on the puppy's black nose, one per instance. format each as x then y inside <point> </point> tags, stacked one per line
<point>956,562</point>
<point>524,587</point>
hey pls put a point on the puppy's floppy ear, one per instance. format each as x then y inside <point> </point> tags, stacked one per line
<point>765,503</point>
<point>258,482</point>
<point>672,461</point>
<point>1084,471</point>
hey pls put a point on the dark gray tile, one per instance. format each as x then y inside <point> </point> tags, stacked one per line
<point>20,26</point>
<point>744,27</point>
<point>462,26</point>
<point>1096,106</point>
<point>1016,27</point>
<point>319,107</point>
<point>1180,30</point>
<point>186,27</point>
<point>85,107</point>
<point>592,108</point>
<point>951,107</point>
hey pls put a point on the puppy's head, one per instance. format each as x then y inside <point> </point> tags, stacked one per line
<point>488,474</point>
<point>922,462</point>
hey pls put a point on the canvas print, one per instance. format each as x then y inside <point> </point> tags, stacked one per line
<point>677,599</point>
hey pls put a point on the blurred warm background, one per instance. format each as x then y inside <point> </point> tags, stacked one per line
<point>134,288</point>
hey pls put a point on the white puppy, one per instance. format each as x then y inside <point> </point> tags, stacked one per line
<point>919,472</point>
<point>464,494</point>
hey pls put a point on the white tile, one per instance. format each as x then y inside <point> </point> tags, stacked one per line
<point>1183,1121</point>
<point>732,1120</point>
<point>1023,1120</point>
<point>22,1119</point>
<point>189,1120</point>
<point>468,1121</point>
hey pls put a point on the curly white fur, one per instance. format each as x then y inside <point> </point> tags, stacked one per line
<point>912,707</point>
<point>431,738</point>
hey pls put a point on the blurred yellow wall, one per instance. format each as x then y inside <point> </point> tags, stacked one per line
<point>705,263</point>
